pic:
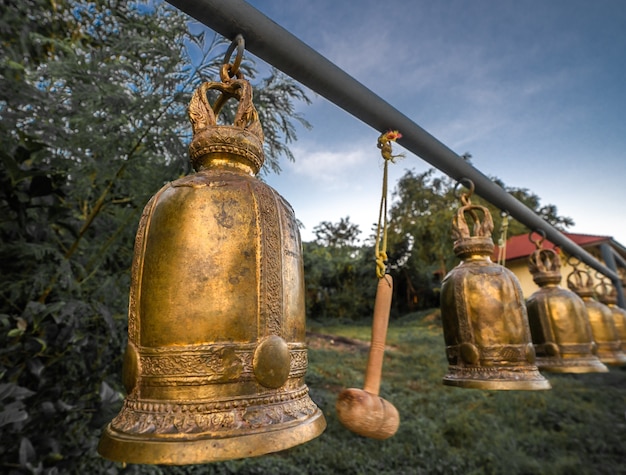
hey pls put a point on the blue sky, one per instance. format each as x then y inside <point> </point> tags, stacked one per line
<point>534,90</point>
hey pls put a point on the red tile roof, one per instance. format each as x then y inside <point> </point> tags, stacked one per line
<point>520,246</point>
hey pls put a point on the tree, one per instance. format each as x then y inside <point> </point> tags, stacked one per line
<point>419,236</point>
<point>339,274</point>
<point>420,244</point>
<point>341,234</point>
<point>93,99</point>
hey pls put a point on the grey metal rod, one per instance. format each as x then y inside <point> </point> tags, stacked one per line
<point>608,255</point>
<point>272,43</point>
<point>618,258</point>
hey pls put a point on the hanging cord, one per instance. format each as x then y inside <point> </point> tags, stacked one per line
<point>503,238</point>
<point>384,144</point>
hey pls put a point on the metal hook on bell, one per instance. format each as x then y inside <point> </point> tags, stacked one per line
<point>230,70</point>
<point>537,242</point>
<point>230,75</point>
<point>465,198</point>
<point>574,261</point>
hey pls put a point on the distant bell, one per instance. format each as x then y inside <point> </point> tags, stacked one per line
<point>216,357</point>
<point>600,318</point>
<point>607,294</point>
<point>559,323</point>
<point>485,326</point>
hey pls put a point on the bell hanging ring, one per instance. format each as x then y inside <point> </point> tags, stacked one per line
<point>485,325</point>
<point>216,355</point>
<point>559,324</point>
<point>600,318</point>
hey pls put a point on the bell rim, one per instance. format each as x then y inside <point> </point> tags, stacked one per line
<point>612,359</point>
<point>137,449</point>
<point>590,367</point>
<point>499,384</point>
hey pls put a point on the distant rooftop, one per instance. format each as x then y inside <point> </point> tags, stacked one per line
<point>520,246</point>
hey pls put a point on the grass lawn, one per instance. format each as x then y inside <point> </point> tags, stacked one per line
<point>578,427</point>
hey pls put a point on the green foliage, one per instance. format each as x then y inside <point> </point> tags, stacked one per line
<point>340,275</point>
<point>420,241</point>
<point>420,250</point>
<point>93,99</point>
<point>340,282</point>
<point>278,92</point>
<point>334,235</point>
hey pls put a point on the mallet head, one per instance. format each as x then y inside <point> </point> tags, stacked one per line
<point>367,414</point>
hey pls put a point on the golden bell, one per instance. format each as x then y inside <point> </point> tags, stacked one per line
<point>600,318</point>
<point>559,324</point>
<point>216,357</point>
<point>607,294</point>
<point>485,326</point>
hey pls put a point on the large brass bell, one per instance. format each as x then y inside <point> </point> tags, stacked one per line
<point>558,320</point>
<point>600,318</point>
<point>216,355</point>
<point>607,294</point>
<point>485,326</point>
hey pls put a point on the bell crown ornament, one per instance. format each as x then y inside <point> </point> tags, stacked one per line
<point>216,356</point>
<point>581,282</point>
<point>559,324</point>
<point>238,144</point>
<point>544,265</point>
<point>606,292</point>
<point>476,242</point>
<point>485,326</point>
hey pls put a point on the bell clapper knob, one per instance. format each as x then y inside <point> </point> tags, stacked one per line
<point>363,411</point>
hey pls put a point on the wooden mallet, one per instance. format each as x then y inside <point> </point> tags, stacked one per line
<point>363,411</point>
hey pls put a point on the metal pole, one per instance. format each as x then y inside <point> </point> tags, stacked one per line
<point>278,47</point>
<point>618,258</point>
<point>608,254</point>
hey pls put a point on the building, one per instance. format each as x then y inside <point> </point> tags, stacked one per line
<point>604,248</point>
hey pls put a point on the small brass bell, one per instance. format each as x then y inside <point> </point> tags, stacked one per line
<point>485,326</point>
<point>558,320</point>
<point>216,356</point>
<point>607,294</point>
<point>600,318</point>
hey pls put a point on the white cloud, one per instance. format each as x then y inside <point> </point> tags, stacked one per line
<point>527,91</point>
<point>328,166</point>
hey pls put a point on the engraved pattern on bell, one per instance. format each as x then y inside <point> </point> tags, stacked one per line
<point>155,417</point>
<point>601,319</point>
<point>217,356</point>
<point>488,343</point>
<point>558,319</point>
<point>607,294</point>
<point>619,316</point>
<point>200,364</point>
